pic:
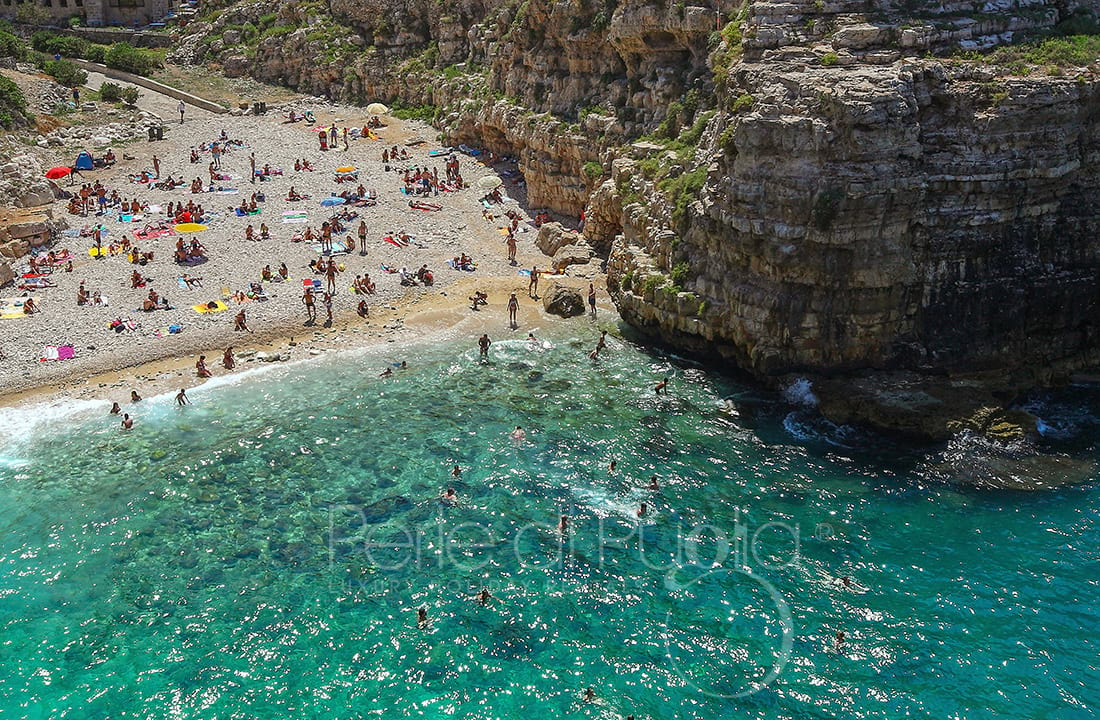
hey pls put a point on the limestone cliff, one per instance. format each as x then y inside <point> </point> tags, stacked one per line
<point>823,185</point>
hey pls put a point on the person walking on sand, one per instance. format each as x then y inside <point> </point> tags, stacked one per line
<point>156,166</point>
<point>484,342</point>
<point>311,310</point>
<point>327,300</point>
<point>533,286</point>
<point>180,107</point>
<point>513,307</point>
<point>362,237</point>
<point>181,398</point>
<point>252,163</point>
<point>330,275</point>
<point>227,359</point>
<point>511,248</point>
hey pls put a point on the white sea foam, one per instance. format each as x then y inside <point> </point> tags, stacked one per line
<point>800,392</point>
<point>19,425</point>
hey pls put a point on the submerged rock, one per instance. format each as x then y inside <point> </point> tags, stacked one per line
<point>925,408</point>
<point>386,508</point>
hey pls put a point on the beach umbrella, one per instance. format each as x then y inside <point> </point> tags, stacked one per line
<point>190,227</point>
<point>333,201</point>
<point>377,109</point>
<point>346,169</point>
<point>56,173</point>
<point>489,182</point>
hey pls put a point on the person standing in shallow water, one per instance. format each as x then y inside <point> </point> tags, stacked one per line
<point>484,342</point>
<point>513,307</point>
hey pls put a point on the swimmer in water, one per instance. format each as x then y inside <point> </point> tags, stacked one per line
<point>653,485</point>
<point>134,397</point>
<point>563,524</point>
<point>127,422</point>
<point>421,618</point>
<point>115,409</point>
<point>449,497</point>
<point>589,695</point>
<point>518,435</point>
<point>181,398</point>
<point>643,511</point>
<point>386,373</point>
<point>840,639</point>
<point>483,597</point>
<point>456,471</point>
<point>660,387</point>
<point>612,466</point>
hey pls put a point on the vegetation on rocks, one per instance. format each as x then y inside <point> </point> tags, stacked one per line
<point>65,73</point>
<point>12,103</point>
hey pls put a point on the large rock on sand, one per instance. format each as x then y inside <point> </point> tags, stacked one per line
<point>562,300</point>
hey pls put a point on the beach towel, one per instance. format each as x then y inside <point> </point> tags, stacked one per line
<point>472,152</point>
<point>395,241</point>
<point>311,284</point>
<point>57,352</point>
<point>468,268</point>
<point>338,247</point>
<point>246,214</point>
<point>292,218</point>
<point>210,307</point>
<point>437,153</point>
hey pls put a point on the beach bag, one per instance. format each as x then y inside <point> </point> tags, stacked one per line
<point>174,329</point>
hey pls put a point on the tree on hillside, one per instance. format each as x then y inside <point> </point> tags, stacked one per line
<point>32,13</point>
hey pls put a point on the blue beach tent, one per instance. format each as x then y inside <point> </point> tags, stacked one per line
<point>84,161</point>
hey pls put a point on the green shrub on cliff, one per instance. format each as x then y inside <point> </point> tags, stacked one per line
<point>1058,52</point>
<point>12,102</point>
<point>424,113</point>
<point>682,190</point>
<point>12,46</point>
<point>680,273</point>
<point>593,170</point>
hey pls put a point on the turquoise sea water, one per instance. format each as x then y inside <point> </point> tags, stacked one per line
<point>262,553</point>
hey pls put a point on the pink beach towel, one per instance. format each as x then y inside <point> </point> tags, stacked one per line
<point>54,352</point>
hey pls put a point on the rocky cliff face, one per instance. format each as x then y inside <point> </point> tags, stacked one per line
<point>817,192</point>
<point>910,215</point>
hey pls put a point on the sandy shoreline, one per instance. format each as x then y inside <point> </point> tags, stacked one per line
<point>440,316</point>
<point>108,365</point>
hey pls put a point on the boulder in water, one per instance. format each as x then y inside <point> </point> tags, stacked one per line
<point>563,301</point>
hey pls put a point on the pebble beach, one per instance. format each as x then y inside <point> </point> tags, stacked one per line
<point>108,363</point>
